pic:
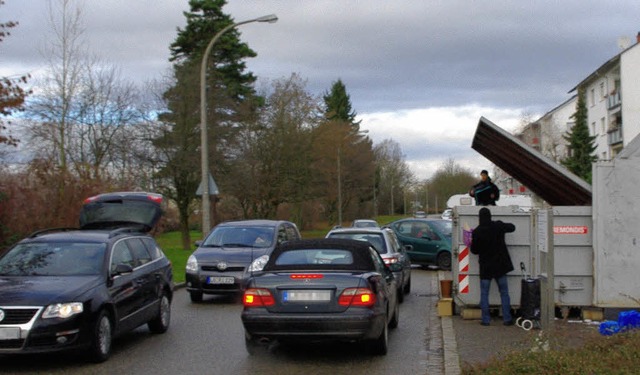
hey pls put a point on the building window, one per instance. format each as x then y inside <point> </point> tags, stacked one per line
<point>592,97</point>
<point>603,130</point>
<point>593,128</point>
<point>602,91</point>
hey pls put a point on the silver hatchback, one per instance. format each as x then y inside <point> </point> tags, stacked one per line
<point>393,253</point>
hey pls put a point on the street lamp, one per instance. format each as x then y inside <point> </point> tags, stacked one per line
<point>340,176</point>
<point>204,147</point>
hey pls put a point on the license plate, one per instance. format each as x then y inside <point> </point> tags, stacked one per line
<point>220,280</point>
<point>9,333</point>
<point>306,296</point>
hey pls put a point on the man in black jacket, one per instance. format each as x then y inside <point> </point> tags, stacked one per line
<point>489,244</point>
<point>485,191</point>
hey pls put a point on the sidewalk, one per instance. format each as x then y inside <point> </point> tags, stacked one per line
<point>466,342</point>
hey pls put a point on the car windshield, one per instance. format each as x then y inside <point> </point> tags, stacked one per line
<point>375,239</point>
<point>240,236</point>
<point>53,259</point>
<point>443,226</point>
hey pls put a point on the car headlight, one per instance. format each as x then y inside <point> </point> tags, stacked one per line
<point>258,263</point>
<point>192,264</point>
<point>63,310</point>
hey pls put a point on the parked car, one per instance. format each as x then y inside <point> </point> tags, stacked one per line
<point>220,264</point>
<point>429,240</point>
<point>70,288</point>
<point>393,254</point>
<point>365,223</point>
<point>321,289</point>
<point>420,214</point>
<point>447,214</point>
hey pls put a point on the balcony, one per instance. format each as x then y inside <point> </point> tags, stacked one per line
<point>613,100</point>
<point>614,136</point>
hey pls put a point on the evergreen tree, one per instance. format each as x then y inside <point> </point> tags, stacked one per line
<point>581,144</point>
<point>338,105</point>
<point>230,99</point>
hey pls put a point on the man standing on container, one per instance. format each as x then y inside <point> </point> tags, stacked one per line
<point>489,244</point>
<point>485,192</point>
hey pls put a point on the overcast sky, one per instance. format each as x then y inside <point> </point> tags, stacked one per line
<point>420,72</point>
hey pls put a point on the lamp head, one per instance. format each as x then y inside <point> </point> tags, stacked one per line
<point>271,18</point>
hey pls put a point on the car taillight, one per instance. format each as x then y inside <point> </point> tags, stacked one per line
<point>390,260</point>
<point>297,276</point>
<point>155,198</point>
<point>357,297</point>
<point>258,297</point>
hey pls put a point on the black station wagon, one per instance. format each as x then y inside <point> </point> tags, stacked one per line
<point>78,288</point>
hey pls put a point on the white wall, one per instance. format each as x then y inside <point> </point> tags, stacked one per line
<point>630,93</point>
<point>616,238</point>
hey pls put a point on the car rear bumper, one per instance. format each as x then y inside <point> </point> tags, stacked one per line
<point>353,324</point>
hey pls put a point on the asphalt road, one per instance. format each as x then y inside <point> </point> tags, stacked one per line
<point>207,338</point>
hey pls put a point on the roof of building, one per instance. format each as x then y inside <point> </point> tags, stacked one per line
<point>552,182</point>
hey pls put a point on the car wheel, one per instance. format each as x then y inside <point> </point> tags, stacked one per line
<point>380,345</point>
<point>396,317</point>
<point>196,296</point>
<point>100,348</point>
<point>444,260</point>
<point>160,323</point>
<point>407,288</point>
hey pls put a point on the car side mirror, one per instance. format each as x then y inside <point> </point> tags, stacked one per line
<point>198,243</point>
<point>408,247</point>
<point>122,269</point>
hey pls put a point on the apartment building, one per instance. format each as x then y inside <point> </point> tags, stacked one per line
<point>613,101</point>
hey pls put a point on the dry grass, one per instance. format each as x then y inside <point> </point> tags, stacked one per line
<point>562,353</point>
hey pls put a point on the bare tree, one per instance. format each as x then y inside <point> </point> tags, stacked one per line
<point>393,171</point>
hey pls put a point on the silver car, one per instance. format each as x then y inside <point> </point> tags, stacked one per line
<point>394,254</point>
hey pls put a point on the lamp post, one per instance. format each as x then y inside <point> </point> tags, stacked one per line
<point>340,175</point>
<point>204,140</point>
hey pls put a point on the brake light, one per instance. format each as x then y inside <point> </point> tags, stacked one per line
<point>157,198</point>
<point>391,260</point>
<point>258,297</point>
<point>297,276</point>
<point>357,297</point>
<point>90,199</point>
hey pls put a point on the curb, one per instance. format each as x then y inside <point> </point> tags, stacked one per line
<point>450,346</point>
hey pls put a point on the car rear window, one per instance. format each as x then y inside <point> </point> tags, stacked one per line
<point>314,256</point>
<point>322,254</point>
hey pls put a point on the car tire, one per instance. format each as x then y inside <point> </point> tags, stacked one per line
<point>102,338</point>
<point>195,296</point>
<point>161,322</point>
<point>380,346</point>
<point>395,319</point>
<point>444,260</point>
<point>407,288</point>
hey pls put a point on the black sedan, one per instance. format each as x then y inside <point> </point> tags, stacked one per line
<point>324,289</point>
<point>64,289</point>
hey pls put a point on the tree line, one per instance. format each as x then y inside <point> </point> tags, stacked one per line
<point>275,152</point>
